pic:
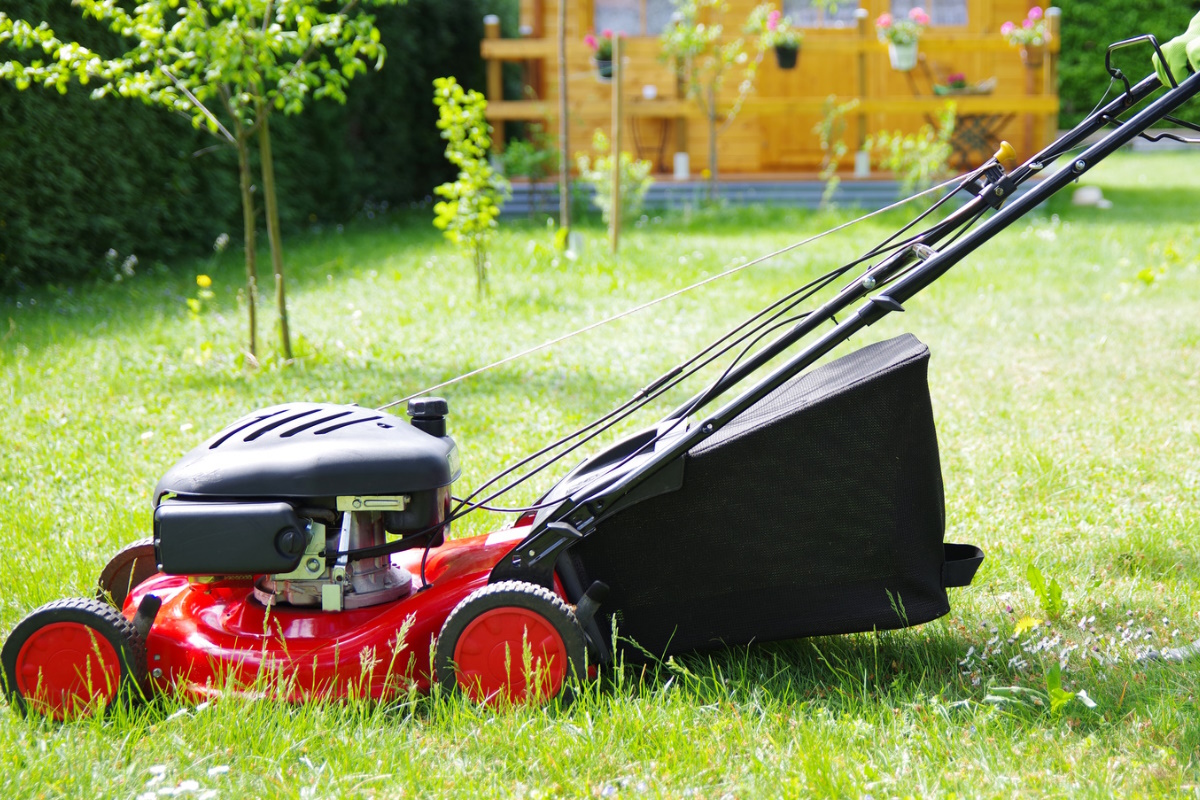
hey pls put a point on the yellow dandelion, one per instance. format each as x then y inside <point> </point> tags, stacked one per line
<point>203,281</point>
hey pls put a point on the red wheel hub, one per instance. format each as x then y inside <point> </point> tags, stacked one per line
<point>490,655</point>
<point>65,667</point>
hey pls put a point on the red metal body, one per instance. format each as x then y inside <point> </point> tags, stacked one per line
<point>211,638</point>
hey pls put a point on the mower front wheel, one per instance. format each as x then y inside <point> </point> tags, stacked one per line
<point>133,564</point>
<point>71,658</point>
<point>510,641</point>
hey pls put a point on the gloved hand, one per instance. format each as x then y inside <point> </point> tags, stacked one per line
<point>1179,53</point>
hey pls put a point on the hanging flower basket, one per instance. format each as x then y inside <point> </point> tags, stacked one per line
<point>603,70</point>
<point>775,31</point>
<point>1031,36</point>
<point>786,57</point>
<point>602,50</point>
<point>903,56</point>
<point>901,36</point>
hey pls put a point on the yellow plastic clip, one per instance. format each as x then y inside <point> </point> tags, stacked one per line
<point>1006,155</point>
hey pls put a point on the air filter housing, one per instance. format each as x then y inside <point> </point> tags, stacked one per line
<point>817,511</point>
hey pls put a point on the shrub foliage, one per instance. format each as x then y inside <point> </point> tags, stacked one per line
<point>1090,26</point>
<point>79,178</point>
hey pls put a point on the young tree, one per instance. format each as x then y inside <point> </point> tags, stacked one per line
<point>467,216</point>
<point>693,44</point>
<point>226,64</point>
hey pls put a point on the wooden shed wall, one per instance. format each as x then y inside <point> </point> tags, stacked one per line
<point>774,132</point>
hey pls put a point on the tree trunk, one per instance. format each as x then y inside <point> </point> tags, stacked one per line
<point>248,223</point>
<point>273,236</point>
<point>480,270</point>
<point>564,149</point>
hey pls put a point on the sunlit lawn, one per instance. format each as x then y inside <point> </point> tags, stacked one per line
<point>1065,379</point>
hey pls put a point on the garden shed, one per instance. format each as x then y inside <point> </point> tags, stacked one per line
<point>1004,97</point>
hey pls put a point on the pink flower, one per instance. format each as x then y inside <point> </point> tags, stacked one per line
<point>773,19</point>
<point>590,41</point>
<point>606,33</point>
<point>1007,28</point>
<point>1027,24</point>
<point>884,21</point>
<point>1035,13</point>
<point>919,16</point>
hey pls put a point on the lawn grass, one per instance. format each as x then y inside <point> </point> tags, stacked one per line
<point>1066,362</point>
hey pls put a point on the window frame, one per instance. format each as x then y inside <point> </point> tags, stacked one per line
<point>589,11</point>
<point>969,10</point>
<point>826,25</point>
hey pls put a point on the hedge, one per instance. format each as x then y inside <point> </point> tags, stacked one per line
<point>1089,26</point>
<point>80,178</point>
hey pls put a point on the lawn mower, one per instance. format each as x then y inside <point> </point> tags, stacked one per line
<point>303,551</point>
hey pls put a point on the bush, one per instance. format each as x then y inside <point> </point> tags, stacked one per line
<point>82,177</point>
<point>471,204</point>
<point>1090,26</point>
<point>597,173</point>
<point>919,160</point>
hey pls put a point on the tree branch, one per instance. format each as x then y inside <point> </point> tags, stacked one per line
<point>346,9</point>
<point>211,149</point>
<point>211,117</point>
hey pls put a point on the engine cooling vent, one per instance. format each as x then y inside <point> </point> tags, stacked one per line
<point>284,423</point>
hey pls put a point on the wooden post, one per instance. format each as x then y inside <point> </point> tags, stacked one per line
<point>1031,84</point>
<point>495,80</point>
<point>614,222</point>
<point>1050,76</point>
<point>536,29</point>
<point>864,33</point>
<point>564,149</point>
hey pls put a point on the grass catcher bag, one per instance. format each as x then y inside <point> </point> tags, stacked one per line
<point>817,511</point>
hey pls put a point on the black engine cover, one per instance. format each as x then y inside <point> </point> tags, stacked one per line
<point>307,451</point>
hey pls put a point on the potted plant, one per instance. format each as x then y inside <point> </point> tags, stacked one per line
<point>957,83</point>
<point>1030,36</point>
<point>602,49</point>
<point>775,31</point>
<point>901,36</point>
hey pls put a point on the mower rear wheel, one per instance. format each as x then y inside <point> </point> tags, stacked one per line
<point>511,641</point>
<point>132,564</point>
<point>70,658</point>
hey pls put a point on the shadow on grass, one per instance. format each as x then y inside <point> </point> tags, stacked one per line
<point>841,672</point>
<point>134,307</point>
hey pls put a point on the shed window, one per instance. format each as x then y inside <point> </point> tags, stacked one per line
<point>810,14</point>
<point>632,17</point>
<point>941,12</point>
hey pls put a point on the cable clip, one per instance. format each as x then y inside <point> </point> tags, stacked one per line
<point>923,251</point>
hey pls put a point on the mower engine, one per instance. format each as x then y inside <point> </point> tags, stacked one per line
<point>277,491</point>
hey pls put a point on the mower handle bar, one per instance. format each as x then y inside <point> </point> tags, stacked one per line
<point>534,558</point>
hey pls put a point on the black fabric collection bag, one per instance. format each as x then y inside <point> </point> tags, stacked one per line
<point>817,511</point>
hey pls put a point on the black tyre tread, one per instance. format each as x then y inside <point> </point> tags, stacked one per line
<point>494,596</point>
<point>104,591</point>
<point>130,645</point>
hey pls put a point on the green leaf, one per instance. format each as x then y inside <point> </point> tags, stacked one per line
<point>1059,698</point>
<point>1050,595</point>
